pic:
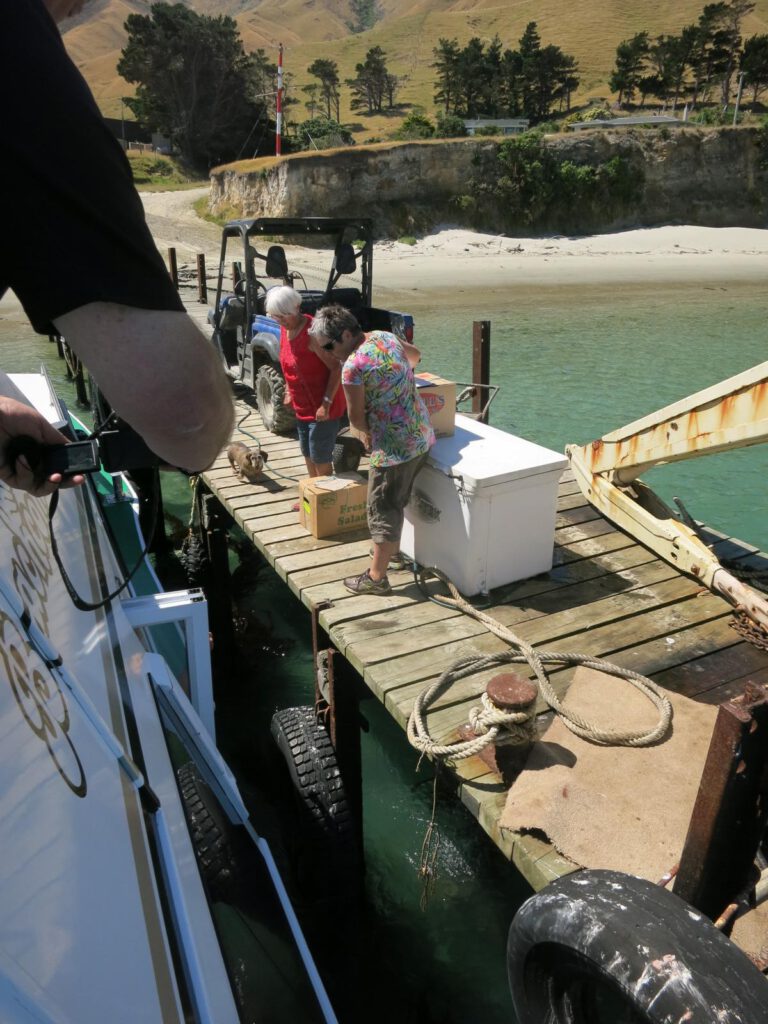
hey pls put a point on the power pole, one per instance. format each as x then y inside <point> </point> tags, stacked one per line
<point>738,97</point>
<point>279,111</point>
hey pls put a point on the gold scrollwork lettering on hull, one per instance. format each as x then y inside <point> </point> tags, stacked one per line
<point>41,702</point>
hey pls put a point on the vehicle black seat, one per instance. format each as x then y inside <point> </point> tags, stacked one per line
<point>311,301</point>
<point>349,297</point>
<point>276,264</point>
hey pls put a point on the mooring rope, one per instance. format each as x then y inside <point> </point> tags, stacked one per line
<point>495,725</point>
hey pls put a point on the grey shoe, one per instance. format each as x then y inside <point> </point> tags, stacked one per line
<point>364,584</point>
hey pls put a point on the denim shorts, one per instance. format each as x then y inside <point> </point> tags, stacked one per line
<point>317,438</point>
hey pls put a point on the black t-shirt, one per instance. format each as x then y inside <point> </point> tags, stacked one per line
<point>73,228</point>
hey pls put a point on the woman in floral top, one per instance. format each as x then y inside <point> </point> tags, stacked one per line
<point>384,403</point>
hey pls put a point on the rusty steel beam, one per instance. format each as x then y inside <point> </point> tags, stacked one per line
<point>731,414</point>
<point>731,810</point>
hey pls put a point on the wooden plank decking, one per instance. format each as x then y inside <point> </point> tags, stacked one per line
<point>606,596</point>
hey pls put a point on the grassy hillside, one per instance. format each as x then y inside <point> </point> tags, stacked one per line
<point>407,31</point>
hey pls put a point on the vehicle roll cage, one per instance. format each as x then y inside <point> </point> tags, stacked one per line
<point>346,259</point>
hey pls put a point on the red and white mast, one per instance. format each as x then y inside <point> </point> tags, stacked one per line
<point>279,112</point>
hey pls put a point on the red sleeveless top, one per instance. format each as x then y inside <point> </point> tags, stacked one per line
<point>307,376</point>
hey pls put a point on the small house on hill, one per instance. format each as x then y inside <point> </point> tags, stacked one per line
<point>626,122</point>
<point>502,125</point>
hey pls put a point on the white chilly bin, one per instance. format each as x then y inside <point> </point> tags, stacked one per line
<point>483,508</point>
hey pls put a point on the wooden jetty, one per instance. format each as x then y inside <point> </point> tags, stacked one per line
<point>606,596</point>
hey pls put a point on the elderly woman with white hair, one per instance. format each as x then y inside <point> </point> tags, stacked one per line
<point>312,379</point>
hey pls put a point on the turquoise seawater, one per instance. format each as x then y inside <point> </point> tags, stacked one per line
<point>572,364</point>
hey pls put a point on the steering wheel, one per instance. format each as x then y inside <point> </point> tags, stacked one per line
<point>240,288</point>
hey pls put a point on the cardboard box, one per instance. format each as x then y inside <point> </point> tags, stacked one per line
<point>333,504</point>
<point>439,396</point>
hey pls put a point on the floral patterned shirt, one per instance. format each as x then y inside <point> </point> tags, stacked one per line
<point>397,417</point>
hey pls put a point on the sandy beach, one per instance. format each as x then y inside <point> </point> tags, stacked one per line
<point>454,257</point>
<point>453,261</point>
<point>662,255</point>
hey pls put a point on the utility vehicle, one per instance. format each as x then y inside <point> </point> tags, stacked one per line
<point>331,261</point>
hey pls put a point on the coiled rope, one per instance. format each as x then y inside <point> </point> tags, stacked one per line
<point>494,725</point>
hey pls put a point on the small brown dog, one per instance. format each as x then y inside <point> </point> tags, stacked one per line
<point>246,464</point>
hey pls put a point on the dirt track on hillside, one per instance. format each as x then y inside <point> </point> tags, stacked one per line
<point>174,224</point>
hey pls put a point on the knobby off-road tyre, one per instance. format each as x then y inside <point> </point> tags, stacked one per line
<point>193,557</point>
<point>325,853</point>
<point>215,839</point>
<point>347,453</point>
<point>270,394</point>
<point>601,947</point>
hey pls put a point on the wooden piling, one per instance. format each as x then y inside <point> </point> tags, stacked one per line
<point>80,389</point>
<point>729,816</point>
<point>202,283</point>
<point>216,521</point>
<point>481,367</point>
<point>173,269</point>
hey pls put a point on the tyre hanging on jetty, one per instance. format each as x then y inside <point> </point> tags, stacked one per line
<point>325,854</point>
<point>602,947</point>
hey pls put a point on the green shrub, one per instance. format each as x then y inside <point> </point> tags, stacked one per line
<point>591,114</point>
<point>153,169</point>
<point>449,126</point>
<point>407,240</point>
<point>530,185</point>
<point>322,133</point>
<point>465,202</point>
<point>415,126</point>
<point>710,116</point>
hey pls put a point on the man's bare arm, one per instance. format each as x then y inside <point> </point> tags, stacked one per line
<point>159,373</point>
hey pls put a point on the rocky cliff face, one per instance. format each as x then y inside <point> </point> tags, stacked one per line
<point>714,177</point>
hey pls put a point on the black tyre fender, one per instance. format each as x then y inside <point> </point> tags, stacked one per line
<point>269,387</point>
<point>325,839</point>
<point>215,839</point>
<point>597,941</point>
<point>193,557</point>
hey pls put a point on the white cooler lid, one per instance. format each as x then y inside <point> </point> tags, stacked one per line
<point>483,455</point>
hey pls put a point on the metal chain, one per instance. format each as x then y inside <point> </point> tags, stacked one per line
<point>749,630</point>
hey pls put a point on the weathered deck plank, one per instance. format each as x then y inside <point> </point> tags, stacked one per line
<point>606,596</point>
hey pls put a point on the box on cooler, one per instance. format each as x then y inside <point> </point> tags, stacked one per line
<point>333,504</point>
<point>483,508</point>
<point>439,396</point>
